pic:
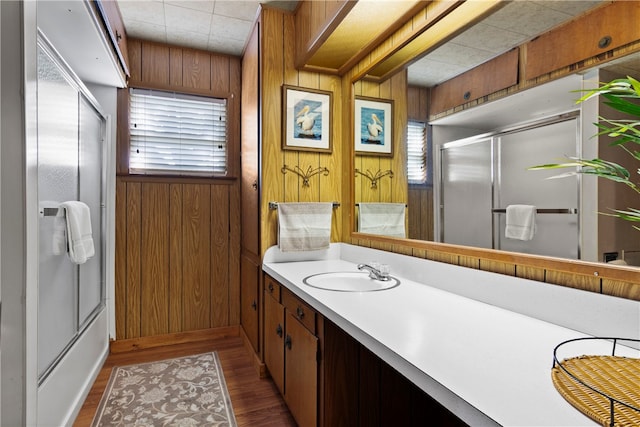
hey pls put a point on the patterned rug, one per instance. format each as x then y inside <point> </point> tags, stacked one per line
<point>186,391</point>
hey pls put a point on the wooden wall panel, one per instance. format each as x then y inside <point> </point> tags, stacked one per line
<point>220,73</point>
<point>219,255</point>
<point>135,59</point>
<point>154,300</point>
<point>571,43</point>
<point>388,189</point>
<point>418,103</point>
<point>492,76</point>
<point>278,68</point>
<point>175,67</point>
<point>234,255</point>
<point>121,260</point>
<point>420,213</point>
<point>176,301</point>
<point>133,259</point>
<point>155,64</point>
<point>165,225</point>
<point>196,70</point>
<point>250,223</point>
<point>196,223</point>
<point>572,280</point>
<point>177,256</point>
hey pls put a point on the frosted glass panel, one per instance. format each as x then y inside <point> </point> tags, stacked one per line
<point>466,194</point>
<point>57,182</point>
<point>91,130</point>
<point>556,234</point>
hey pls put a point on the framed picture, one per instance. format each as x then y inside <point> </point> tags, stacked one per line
<point>306,115</point>
<point>373,124</point>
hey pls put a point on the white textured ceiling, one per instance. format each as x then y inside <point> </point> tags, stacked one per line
<point>223,26</point>
<point>512,25</point>
<point>220,26</point>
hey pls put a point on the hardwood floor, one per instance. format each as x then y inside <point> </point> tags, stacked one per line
<point>256,402</point>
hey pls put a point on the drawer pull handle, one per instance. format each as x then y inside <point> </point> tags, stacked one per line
<point>270,287</point>
<point>254,305</point>
<point>287,342</point>
<point>279,330</point>
<point>300,313</point>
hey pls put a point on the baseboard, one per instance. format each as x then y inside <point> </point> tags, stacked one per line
<point>133,344</point>
<point>258,364</point>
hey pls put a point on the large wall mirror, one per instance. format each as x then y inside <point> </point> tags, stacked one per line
<point>476,159</point>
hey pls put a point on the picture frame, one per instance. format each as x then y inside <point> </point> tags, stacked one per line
<point>373,126</point>
<point>306,119</point>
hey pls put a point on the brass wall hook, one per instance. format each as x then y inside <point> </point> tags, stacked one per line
<point>305,175</point>
<point>374,178</point>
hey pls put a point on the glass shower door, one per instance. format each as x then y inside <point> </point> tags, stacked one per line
<point>556,234</point>
<point>58,180</point>
<point>466,195</point>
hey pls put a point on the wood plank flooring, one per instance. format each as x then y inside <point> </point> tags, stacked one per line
<point>256,402</point>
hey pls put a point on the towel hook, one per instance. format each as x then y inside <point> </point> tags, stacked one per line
<point>305,175</point>
<point>374,178</point>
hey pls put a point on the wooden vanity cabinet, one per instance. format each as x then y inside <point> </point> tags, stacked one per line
<point>349,385</point>
<point>291,350</point>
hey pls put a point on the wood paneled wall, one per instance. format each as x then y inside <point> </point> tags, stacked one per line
<point>178,239</point>
<point>389,190</point>
<point>420,198</point>
<point>277,48</point>
<point>175,263</point>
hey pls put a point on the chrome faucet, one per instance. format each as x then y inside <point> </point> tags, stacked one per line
<point>374,273</point>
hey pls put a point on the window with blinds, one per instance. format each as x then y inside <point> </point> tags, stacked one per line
<point>416,153</point>
<point>177,134</point>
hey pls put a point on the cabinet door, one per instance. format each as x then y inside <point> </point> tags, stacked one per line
<point>249,282</point>
<point>301,372</point>
<point>274,340</point>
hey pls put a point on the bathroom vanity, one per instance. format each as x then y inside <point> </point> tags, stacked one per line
<point>449,344</point>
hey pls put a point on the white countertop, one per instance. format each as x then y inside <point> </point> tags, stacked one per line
<point>488,365</point>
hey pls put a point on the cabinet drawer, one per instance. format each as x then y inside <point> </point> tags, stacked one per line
<point>271,287</point>
<point>300,310</point>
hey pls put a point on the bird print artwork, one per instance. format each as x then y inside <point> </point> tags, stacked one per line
<point>375,127</point>
<point>307,121</point>
<point>372,126</point>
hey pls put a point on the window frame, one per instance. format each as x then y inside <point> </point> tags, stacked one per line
<point>179,172</point>
<point>428,180</point>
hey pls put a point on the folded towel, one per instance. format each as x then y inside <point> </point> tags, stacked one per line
<point>304,226</point>
<point>385,219</point>
<point>79,238</point>
<point>521,222</point>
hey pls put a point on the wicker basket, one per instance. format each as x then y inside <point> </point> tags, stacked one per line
<point>605,388</point>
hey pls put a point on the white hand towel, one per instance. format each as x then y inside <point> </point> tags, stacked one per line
<point>304,226</point>
<point>79,237</point>
<point>521,222</point>
<point>385,219</point>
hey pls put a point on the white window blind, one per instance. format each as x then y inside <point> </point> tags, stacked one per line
<point>416,153</point>
<point>176,134</point>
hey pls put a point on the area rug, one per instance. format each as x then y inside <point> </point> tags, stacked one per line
<point>186,391</point>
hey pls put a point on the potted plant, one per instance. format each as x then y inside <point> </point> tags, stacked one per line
<point>619,94</point>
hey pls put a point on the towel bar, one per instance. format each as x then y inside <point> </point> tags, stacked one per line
<point>358,204</point>
<point>274,205</point>
<point>48,211</point>
<point>545,211</point>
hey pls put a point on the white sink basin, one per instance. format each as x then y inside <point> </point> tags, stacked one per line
<point>349,281</point>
